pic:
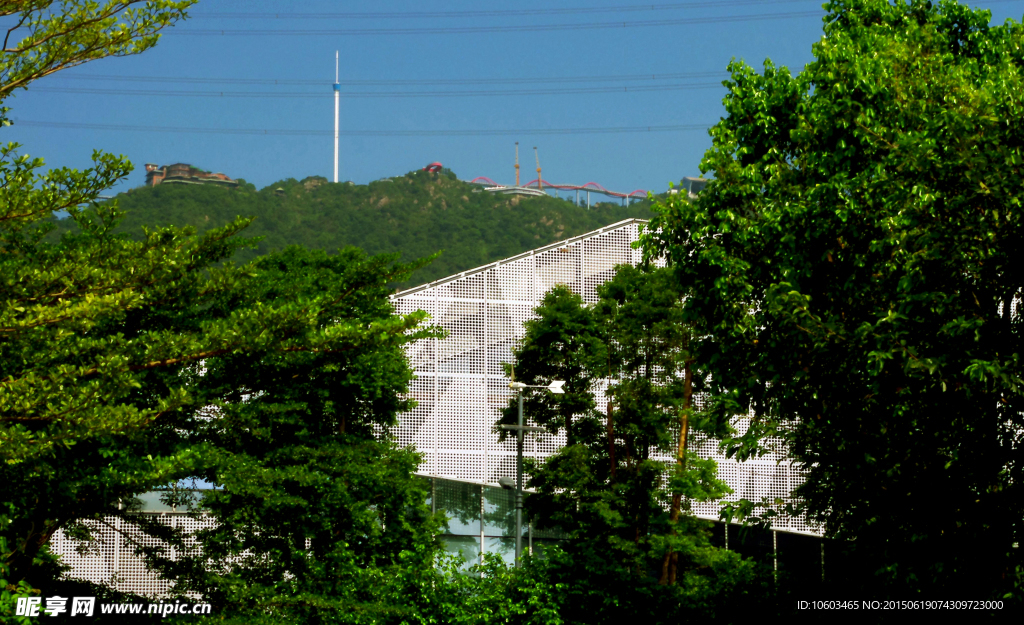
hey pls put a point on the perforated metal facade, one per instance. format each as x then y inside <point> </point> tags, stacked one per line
<point>461,387</point>
<point>109,559</point>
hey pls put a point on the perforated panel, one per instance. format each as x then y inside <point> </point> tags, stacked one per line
<point>110,558</point>
<point>461,386</point>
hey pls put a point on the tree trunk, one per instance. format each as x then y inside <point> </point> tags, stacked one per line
<point>611,442</point>
<point>670,564</point>
<point>28,544</point>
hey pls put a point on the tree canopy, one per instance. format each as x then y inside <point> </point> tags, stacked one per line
<point>131,362</point>
<point>313,503</point>
<point>72,358</point>
<point>50,35</point>
<point>113,348</point>
<point>624,508</point>
<point>855,277</point>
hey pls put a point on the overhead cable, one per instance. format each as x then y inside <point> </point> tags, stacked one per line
<point>503,13</point>
<point>378,94</point>
<point>366,133</point>
<point>394,82</point>
<point>506,28</point>
<point>506,13</point>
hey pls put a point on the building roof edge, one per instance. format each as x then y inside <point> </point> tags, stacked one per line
<point>497,263</point>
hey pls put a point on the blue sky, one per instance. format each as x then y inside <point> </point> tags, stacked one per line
<point>686,52</point>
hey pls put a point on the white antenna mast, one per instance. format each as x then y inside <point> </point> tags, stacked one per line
<point>337,95</point>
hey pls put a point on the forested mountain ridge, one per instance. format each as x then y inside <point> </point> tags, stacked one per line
<point>416,215</point>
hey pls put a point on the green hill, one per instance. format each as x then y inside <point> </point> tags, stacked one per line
<point>415,215</point>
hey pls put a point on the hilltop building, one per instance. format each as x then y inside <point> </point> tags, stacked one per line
<point>693,186</point>
<point>183,173</point>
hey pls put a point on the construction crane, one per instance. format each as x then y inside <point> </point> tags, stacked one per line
<point>540,182</point>
<point>517,163</point>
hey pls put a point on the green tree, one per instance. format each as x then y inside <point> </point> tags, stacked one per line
<point>59,34</point>
<point>103,338</point>
<point>66,371</point>
<point>652,391</point>
<point>315,505</point>
<point>565,343</point>
<point>855,269</point>
<point>625,511</point>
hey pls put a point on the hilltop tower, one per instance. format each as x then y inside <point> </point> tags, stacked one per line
<point>337,98</point>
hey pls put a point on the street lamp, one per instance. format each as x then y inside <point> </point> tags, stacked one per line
<point>556,388</point>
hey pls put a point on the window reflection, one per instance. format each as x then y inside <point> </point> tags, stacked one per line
<point>505,547</point>
<point>466,546</point>
<point>460,503</point>
<point>500,512</point>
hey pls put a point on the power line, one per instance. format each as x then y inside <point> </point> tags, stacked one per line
<point>506,13</point>
<point>454,30</point>
<point>378,94</point>
<point>367,133</point>
<point>396,82</point>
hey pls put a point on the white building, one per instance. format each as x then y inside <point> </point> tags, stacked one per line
<point>461,387</point>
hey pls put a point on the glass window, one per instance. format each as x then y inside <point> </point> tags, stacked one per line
<point>151,502</point>
<point>500,512</point>
<point>505,547</point>
<point>460,502</point>
<point>466,546</point>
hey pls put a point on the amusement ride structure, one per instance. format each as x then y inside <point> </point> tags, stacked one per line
<point>537,186</point>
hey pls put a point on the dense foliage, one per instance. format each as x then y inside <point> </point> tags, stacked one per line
<point>51,35</point>
<point>853,272</point>
<point>624,508</point>
<point>113,350</point>
<point>133,362</point>
<point>313,503</point>
<point>70,381</point>
<point>415,215</point>
<point>855,269</point>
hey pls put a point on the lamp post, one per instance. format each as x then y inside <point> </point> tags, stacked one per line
<point>556,388</point>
